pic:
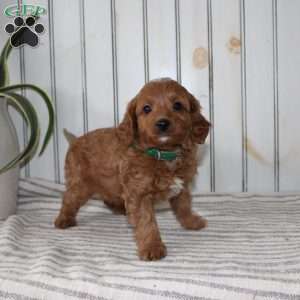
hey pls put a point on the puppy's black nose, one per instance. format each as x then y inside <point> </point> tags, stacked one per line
<point>163,124</point>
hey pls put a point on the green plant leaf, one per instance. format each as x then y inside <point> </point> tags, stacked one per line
<point>48,103</point>
<point>4,75</point>
<point>17,108</point>
<point>31,119</point>
<point>34,139</point>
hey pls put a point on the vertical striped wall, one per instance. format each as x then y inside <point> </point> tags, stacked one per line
<point>240,58</point>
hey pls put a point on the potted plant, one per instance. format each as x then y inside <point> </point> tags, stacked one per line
<point>10,156</point>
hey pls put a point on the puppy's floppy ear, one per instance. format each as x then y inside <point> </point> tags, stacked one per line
<point>200,126</point>
<point>127,130</point>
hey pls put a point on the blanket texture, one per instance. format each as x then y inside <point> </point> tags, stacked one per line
<point>250,250</point>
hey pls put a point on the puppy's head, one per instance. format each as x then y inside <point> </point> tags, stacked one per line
<point>163,115</point>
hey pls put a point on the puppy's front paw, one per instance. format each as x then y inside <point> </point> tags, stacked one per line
<point>193,222</point>
<point>63,222</point>
<point>153,251</point>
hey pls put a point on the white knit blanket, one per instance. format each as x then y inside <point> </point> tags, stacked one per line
<point>250,250</point>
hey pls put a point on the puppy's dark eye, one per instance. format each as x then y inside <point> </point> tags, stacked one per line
<point>147,109</point>
<point>177,106</point>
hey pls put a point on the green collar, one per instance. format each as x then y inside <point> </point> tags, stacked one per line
<point>161,155</point>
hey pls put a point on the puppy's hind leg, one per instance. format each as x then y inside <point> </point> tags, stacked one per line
<point>73,199</point>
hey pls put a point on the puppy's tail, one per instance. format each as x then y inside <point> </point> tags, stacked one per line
<point>70,137</point>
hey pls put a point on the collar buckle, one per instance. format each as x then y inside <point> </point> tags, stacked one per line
<point>158,155</point>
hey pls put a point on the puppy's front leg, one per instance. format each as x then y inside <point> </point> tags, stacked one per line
<point>181,206</point>
<point>149,243</point>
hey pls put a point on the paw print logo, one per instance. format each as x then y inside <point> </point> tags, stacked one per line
<point>24,31</point>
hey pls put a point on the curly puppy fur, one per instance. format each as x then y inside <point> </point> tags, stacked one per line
<point>112,163</point>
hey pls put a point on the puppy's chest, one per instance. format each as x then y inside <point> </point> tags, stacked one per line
<point>168,184</point>
<point>166,188</point>
<point>175,188</point>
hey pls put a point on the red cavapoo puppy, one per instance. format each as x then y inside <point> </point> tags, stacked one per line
<point>151,156</point>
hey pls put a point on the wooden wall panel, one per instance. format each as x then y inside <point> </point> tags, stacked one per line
<point>194,70</point>
<point>129,52</point>
<point>39,74</point>
<point>99,72</point>
<point>259,92</point>
<point>227,95</point>
<point>68,72</point>
<point>162,39</point>
<point>289,93</point>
